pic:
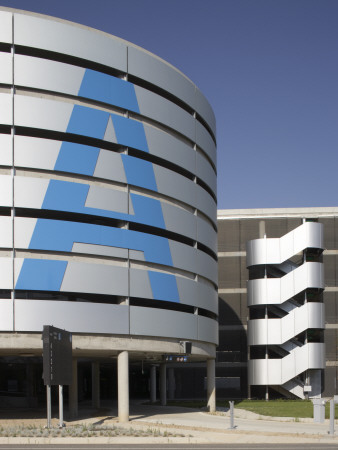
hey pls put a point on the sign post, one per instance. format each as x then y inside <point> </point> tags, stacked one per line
<point>57,365</point>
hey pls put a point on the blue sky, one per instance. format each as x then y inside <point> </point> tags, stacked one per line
<point>270,71</point>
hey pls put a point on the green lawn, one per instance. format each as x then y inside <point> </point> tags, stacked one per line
<point>276,408</point>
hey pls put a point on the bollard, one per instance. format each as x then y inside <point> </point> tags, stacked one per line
<point>232,426</point>
<point>332,417</point>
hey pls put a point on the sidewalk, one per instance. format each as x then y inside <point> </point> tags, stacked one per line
<point>196,426</point>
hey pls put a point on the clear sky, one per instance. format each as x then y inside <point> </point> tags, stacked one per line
<point>269,68</point>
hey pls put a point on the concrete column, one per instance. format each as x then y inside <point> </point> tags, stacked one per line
<point>153,384</point>
<point>262,229</point>
<point>73,392</point>
<point>211,388</point>
<point>171,383</point>
<point>163,384</point>
<point>96,384</point>
<point>123,386</point>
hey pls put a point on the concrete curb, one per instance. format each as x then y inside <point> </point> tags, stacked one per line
<point>202,438</point>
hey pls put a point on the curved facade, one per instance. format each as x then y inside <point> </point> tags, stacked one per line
<point>287,317</point>
<point>107,190</point>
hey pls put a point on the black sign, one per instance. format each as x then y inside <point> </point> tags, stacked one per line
<point>57,356</point>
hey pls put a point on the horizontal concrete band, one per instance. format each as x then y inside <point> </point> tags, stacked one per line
<point>85,345</point>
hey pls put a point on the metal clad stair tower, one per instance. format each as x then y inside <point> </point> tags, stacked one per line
<point>286,323</point>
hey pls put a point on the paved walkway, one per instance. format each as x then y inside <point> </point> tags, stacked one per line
<point>196,426</point>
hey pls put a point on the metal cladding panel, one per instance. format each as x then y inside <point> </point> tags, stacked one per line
<point>110,166</point>
<point>174,185</point>
<point>204,110</point>
<point>257,371</point>
<point>35,152</point>
<point>95,279</point>
<point>274,331</point>
<point>167,113</point>
<point>152,69</point>
<point>140,284</point>
<point>6,315</point>
<point>257,332</point>
<point>77,317</point>
<point>179,220</point>
<point>41,113</point>
<point>207,330</point>
<point>71,40</point>
<point>183,256</point>
<point>205,172</point>
<point>207,266</point>
<point>276,251</point>
<point>6,33</point>
<point>6,232</point>
<point>101,250</point>
<point>6,73</point>
<point>6,109</point>
<point>6,150</point>
<point>278,290</point>
<point>189,258</point>
<point>264,291</point>
<point>316,355</point>
<point>204,140</point>
<point>6,273</point>
<point>164,323</point>
<point>5,190</point>
<point>205,203</point>
<point>206,234</point>
<point>107,199</point>
<point>29,192</point>
<point>170,148</point>
<point>48,75</point>
<point>197,294</point>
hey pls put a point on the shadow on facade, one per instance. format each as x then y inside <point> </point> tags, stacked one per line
<point>232,351</point>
